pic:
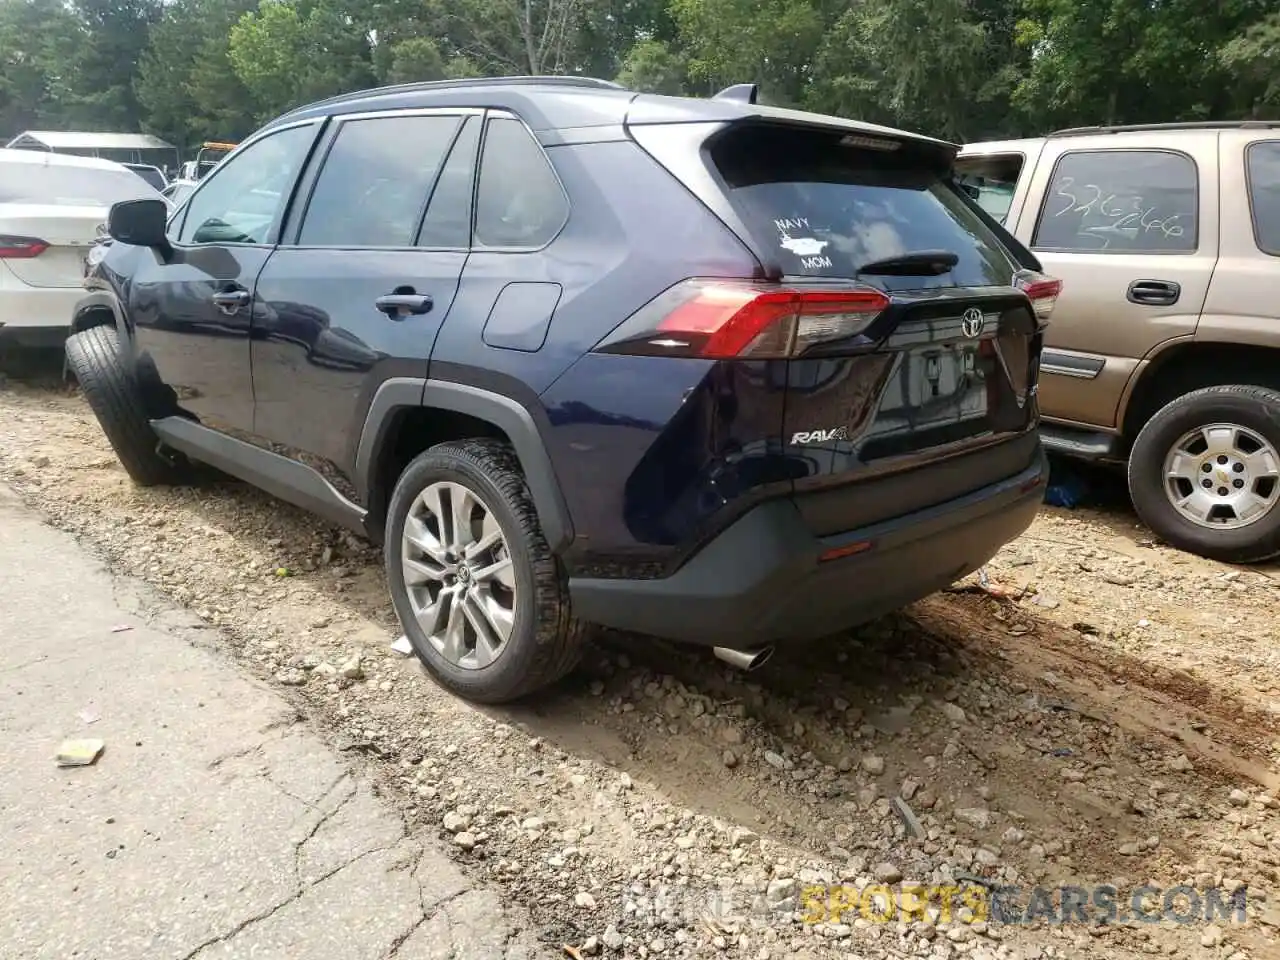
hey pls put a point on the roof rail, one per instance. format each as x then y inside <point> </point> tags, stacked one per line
<point>424,85</point>
<point>1187,125</point>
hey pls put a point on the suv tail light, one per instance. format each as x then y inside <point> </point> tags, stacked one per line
<point>1041,290</point>
<point>20,248</point>
<point>719,319</point>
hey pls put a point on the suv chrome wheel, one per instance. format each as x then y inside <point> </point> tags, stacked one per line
<point>458,573</point>
<point>1222,476</point>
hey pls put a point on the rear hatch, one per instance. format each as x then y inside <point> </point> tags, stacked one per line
<point>915,334</point>
<point>45,246</point>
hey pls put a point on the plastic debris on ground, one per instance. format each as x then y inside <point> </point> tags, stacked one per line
<point>79,753</point>
<point>1067,488</point>
<point>403,647</point>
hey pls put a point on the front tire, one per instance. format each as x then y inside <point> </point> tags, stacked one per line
<point>118,401</point>
<point>477,591</point>
<point>1204,473</point>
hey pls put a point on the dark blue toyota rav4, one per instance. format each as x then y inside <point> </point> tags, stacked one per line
<point>700,368</point>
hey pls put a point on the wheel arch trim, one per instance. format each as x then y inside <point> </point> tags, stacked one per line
<point>92,302</point>
<point>508,415</point>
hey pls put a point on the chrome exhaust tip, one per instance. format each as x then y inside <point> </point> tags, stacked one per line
<point>745,660</point>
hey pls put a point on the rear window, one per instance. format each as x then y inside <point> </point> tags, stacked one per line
<point>991,181</point>
<point>825,208</point>
<point>1263,161</point>
<point>69,186</point>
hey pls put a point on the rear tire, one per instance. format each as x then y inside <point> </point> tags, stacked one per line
<point>490,637</point>
<point>116,398</point>
<point>1242,476</point>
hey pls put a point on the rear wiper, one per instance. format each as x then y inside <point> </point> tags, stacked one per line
<point>921,263</point>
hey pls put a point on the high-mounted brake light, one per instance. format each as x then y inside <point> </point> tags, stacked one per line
<point>719,319</point>
<point>1041,290</point>
<point>20,248</point>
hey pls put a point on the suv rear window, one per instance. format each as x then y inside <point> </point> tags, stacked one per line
<point>825,208</point>
<point>1263,161</point>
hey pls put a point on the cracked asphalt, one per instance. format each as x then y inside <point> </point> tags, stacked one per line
<point>216,824</point>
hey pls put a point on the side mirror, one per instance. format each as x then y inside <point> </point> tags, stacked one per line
<point>139,223</point>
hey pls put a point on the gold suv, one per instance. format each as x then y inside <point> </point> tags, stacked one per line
<point>1164,351</point>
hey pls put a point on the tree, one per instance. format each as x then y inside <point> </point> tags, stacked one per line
<point>655,66</point>
<point>291,52</point>
<point>96,86</point>
<point>36,37</point>
<point>1113,61</point>
<point>186,84</point>
<point>770,42</point>
<point>1253,56</point>
<point>533,37</point>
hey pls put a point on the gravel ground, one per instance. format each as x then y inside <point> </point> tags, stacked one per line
<point>1095,709</point>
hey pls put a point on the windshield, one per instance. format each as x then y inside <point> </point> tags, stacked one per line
<point>825,209</point>
<point>41,183</point>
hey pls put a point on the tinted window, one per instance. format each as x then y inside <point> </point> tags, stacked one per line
<point>991,180</point>
<point>1120,201</point>
<point>448,221</point>
<point>46,183</point>
<point>242,201</point>
<point>825,209</point>
<point>1263,162</point>
<point>519,202</point>
<point>375,181</point>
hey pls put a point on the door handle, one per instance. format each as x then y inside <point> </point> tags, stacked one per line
<point>229,301</point>
<point>400,305</point>
<point>1154,293</point>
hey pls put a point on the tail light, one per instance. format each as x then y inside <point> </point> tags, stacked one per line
<point>1041,290</point>
<point>20,248</point>
<point>719,319</point>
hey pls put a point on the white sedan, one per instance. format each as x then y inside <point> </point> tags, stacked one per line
<point>53,207</point>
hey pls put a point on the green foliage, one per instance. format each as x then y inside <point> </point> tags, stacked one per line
<point>1252,57</point>
<point>655,66</point>
<point>193,70</point>
<point>187,87</point>
<point>290,52</point>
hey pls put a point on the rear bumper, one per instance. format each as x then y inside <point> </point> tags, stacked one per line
<point>761,581</point>
<point>26,309</point>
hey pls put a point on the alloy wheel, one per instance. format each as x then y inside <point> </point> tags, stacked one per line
<point>458,574</point>
<point>1223,476</point>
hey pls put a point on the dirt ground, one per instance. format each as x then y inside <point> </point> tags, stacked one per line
<point>1094,709</point>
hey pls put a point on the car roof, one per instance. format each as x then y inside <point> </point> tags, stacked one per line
<point>987,147</point>
<point>47,159</point>
<point>560,103</point>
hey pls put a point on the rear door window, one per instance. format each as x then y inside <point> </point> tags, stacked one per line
<point>1120,201</point>
<point>448,221</point>
<point>825,207</point>
<point>374,185</point>
<point>1263,164</point>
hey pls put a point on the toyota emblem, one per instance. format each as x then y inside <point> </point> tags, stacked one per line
<point>972,322</point>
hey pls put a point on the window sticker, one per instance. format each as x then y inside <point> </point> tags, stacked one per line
<point>808,249</point>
